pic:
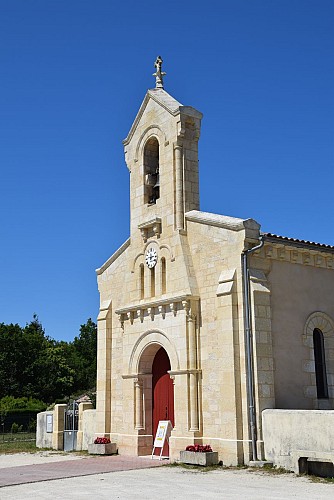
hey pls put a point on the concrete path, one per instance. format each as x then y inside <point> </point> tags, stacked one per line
<point>143,478</point>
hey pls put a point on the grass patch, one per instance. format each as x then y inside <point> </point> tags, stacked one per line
<point>270,469</point>
<point>18,447</point>
<point>317,479</point>
<point>196,468</point>
<point>19,442</point>
<point>19,436</point>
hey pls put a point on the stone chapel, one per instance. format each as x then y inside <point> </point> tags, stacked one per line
<point>204,320</point>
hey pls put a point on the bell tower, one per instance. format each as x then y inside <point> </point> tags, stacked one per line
<point>161,152</point>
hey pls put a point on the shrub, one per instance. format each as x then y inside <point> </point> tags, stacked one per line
<point>15,428</point>
<point>32,425</point>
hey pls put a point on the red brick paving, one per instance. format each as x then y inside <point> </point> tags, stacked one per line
<point>73,468</point>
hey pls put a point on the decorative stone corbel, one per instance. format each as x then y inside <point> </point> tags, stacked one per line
<point>143,233</point>
<point>162,311</point>
<point>156,229</point>
<point>186,307</point>
<point>173,308</point>
<point>330,263</point>
<point>281,253</point>
<point>153,224</point>
<point>121,319</point>
<point>269,251</point>
<point>150,312</point>
<point>319,260</point>
<point>306,258</point>
<point>140,314</point>
<point>294,255</point>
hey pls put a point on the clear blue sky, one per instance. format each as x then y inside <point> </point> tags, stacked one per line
<point>73,74</point>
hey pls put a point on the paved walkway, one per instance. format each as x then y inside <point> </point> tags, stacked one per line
<point>49,475</point>
<point>174,483</point>
<point>67,468</point>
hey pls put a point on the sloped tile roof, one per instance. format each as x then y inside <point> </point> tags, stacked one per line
<point>296,241</point>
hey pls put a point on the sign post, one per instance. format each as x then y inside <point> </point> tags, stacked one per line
<point>163,432</point>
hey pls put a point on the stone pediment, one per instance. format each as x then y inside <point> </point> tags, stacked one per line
<point>167,102</point>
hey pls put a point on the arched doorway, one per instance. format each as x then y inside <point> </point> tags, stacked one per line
<point>162,394</point>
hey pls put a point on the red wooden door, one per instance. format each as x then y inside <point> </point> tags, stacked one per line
<point>162,394</point>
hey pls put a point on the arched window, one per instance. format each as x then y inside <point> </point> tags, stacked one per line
<point>320,364</point>
<point>163,275</point>
<point>151,171</point>
<point>141,280</point>
<point>152,282</point>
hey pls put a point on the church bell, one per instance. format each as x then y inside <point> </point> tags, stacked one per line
<point>157,184</point>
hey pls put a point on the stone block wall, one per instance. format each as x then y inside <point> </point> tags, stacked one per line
<point>43,438</point>
<point>291,435</point>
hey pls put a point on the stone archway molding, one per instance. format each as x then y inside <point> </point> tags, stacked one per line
<point>149,338</point>
<point>321,320</point>
<point>160,247</point>
<point>325,324</point>
<point>150,131</point>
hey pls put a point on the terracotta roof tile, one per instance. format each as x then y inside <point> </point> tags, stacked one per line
<point>297,241</point>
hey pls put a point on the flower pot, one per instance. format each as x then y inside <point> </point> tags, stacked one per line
<point>199,458</point>
<point>102,449</point>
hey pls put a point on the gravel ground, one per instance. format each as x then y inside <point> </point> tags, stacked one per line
<point>163,483</point>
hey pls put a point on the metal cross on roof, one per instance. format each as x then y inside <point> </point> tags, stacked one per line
<point>159,83</point>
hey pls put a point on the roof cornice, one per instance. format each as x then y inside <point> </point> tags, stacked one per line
<point>294,242</point>
<point>114,256</point>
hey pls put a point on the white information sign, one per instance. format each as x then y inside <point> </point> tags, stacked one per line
<point>49,423</point>
<point>163,432</point>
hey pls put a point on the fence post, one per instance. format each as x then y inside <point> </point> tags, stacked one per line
<point>58,427</point>
<point>82,408</point>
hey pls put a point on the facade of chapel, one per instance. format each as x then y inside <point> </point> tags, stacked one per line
<point>196,325</point>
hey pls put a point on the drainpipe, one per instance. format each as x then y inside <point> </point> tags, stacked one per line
<point>249,346</point>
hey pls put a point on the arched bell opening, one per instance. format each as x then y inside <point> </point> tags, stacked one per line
<point>151,171</point>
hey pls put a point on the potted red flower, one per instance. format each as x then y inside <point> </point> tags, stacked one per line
<point>102,446</point>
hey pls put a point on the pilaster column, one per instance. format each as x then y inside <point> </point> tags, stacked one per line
<point>179,215</point>
<point>80,434</point>
<point>58,427</point>
<point>138,403</point>
<point>103,384</point>
<point>192,358</point>
<point>175,413</point>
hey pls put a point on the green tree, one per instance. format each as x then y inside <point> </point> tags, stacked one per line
<point>11,403</point>
<point>56,377</point>
<point>10,359</point>
<point>33,365</point>
<point>83,357</point>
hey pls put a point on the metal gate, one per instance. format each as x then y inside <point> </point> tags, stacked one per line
<point>71,418</point>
